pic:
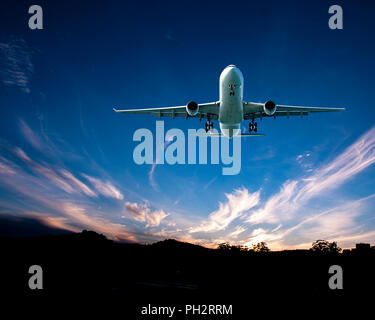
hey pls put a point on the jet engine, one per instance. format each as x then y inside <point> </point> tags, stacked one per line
<point>269,108</point>
<point>192,108</point>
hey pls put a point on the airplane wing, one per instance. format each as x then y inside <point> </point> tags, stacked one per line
<point>206,110</point>
<point>256,110</point>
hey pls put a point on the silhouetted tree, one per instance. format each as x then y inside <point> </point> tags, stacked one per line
<point>228,247</point>
<point>240,248</point>
<point>224,246</point>
<point>324,246</point>
<point>260,247</point>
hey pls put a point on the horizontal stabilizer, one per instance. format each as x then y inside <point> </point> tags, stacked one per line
<point>218,134</point>
<point>252,134</point>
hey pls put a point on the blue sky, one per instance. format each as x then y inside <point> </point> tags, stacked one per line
<point>67,159</point>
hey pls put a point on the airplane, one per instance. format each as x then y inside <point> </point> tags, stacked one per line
<point>230,110</point>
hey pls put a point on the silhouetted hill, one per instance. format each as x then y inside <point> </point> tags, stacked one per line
<point>17,226</point>
<point>175,244</point>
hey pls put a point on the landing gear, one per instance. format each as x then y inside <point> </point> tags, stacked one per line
<point>209,126</point>
<point>253,126</point>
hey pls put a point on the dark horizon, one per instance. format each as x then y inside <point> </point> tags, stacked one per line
<point>12,226</point>
<point>89,264</point>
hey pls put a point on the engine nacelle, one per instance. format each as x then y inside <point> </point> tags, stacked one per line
<point>269,108</point>
<point>192,108</point>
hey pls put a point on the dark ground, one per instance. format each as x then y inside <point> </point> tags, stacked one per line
<point>87,266</point>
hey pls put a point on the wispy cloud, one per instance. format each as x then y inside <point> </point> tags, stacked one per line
<point>106,188</point>
<point>55,149</point>
<point>353,160</point>
<point>154,219</point>
<point>74,213</point>
<point>33,138</point>
<point>335,224</point>
<point>78,184</point>
<point>137,211</point>
<point>237,231</point>
<point>21,154</point>
<point>295,194</point>
<point>16,67</point>
<point>142,213</point>
<point>277,206</point>
<point>7,168</point>
<point>61,177</point>
<point>151,177</point>
<point>205,187</point>
<point>63,199</point>
<point>53,177</point>
<point>237,204</point>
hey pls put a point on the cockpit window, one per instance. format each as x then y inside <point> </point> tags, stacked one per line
<point>231,86</point>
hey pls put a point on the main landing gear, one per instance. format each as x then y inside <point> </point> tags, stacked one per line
<point>253,126</point>
<point>209,126</point>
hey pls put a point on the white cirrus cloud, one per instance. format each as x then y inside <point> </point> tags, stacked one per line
<point>7,167</point>
<point>21,154</point>
<point>72,212</point>
<point>238,203</point>
<point>280,204</point>
<point>357,157</point>
<point>137,211</point>
<point>106,188</point>
<point>78,184</point>
<point>32,137</point>
<point>155,218</point>
<point>294,195</point>
<point>142,213</point>
<point>340,223</point>
<point>151,177</point>
<point>237,231</point>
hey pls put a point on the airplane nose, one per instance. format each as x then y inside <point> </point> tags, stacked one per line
<point>232,72</point>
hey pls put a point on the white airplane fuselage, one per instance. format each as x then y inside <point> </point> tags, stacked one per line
<point>231,101</point>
